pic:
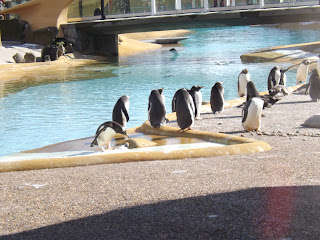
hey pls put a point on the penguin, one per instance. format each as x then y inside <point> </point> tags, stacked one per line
<point>120,113</point>
<point>274,77</point>
<point>252,91</point>
<point>302,72</point>
<point>197,99</point>
<point>278,91</point>
<point>185,109</point>
<point>174,51</point>
<point>174,99</point>
<point>269,101</point>
<point>283,77</point>
<point>314,89</point>
<point>157,108</point>
<point>243,79</point>
<point>251,114</point>
<point>217,98</point>
<point>105,132</point>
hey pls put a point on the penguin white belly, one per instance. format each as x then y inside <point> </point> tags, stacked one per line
<point>318,65</point>
<point>284,79</point>
<point>243,80</point>
<point>302,73</point>
<point>277,77</point>
<point>105,137</point>
<point>124,120</point>
<point>253,120</point>
<point>198,99</point>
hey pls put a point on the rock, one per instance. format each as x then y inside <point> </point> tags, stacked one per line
<point>312,122</point>
<point>52,51</point>
<point>30,58</point>
<point>18,58</point>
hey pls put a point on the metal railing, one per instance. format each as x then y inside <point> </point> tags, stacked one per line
<point>205,6</point>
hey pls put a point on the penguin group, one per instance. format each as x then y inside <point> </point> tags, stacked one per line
<point>187,103</point>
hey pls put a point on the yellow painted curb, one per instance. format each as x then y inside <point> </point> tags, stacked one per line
<point>236,145</point>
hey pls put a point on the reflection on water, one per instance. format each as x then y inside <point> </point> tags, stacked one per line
<point>37,78</point>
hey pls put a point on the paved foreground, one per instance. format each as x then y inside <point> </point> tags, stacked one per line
<point>270,195</point>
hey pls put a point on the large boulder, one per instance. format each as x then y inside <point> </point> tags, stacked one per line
<point>18,58</point>
<point>30,58</point>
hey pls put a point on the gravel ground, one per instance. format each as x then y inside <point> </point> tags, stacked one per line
<point>270,195</point>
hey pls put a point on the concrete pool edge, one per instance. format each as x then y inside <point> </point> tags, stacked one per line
<point>236,145</point>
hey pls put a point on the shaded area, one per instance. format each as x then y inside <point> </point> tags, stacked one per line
<point>257,213</point>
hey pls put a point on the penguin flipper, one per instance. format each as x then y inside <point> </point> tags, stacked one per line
<point>245,110</point>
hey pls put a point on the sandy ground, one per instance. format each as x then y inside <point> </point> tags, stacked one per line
<point>270,195</point>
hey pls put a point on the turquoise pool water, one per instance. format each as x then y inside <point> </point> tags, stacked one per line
<point>46,114</point>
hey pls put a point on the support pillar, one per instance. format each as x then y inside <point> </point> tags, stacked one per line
<point>178,4</point>
<point>153,7</point>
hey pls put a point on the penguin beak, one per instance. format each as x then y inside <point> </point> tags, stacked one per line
<point>201,86</point>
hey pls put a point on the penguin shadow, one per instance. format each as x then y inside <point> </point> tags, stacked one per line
<point>295,102</point>
<point>216,116</point>
<point>234,132</point>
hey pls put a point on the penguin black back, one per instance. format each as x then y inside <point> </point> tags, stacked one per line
<point>174,99</point>
<point>185,110</point>
<point>156,108</point>
<point>120,111</point>
<point>252,91</point>
<point>314,89</point>
<point>217,97</point>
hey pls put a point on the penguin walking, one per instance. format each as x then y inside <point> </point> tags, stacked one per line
<point>243,79</point>
<point>274,77</point>
<point>302,71</point>
<point>104,134</point>
<point>252,91</point>
<point>251,114</point>
<point>120,113</point>
<point>185,109</point>
<point>157,108</point>
<point>314,89</point>
<point>217,98</point>
<point>197,99</point>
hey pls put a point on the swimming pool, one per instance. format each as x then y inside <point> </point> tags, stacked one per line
<point>45,114</point>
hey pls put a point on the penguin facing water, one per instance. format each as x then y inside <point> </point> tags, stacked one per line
<point>105,132</point>
<point>302,71</point>
<point>251,114</point>
<point>185,109</point>
<point>174,99</point>
<point>314,89</point>
<point>217,98</point>
<point>243,79</point>
<point>157,108</point>
<point>274,77</point>
<point>120,113</point>
<point>197,99</point>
